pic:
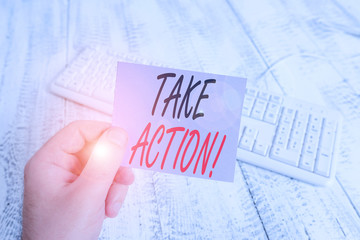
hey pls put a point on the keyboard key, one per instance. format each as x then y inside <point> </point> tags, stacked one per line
<point>251,92</point>
<point>300,124</point>
<point>246,111</point>
<point>330,124</point>
<point>281,140</point>
<point>315,123</point>
<point>80,66</point>
<point>310,148</point>
<point>302,116</point>
<point>307,162</point>
<point>323,163</point>
<point>251,132</point>
<point>63,79</point>
<point>287,119</point>
<point>276,99</point>
<point>71,72</point>
<point>284,129</point>
<point>270,117</point>
<point>248,105</point>
<point>264,96</point>
<point>315,118</point>
<point>75,84</point>
<point>274,108</point>
<point>298,134</point>
<point>259,109</point>
<point>289,112</point>
<point>295,145</point>
<point>249,101</point>
<point>286,156</point>
<point>257,113</point>
<point>87,90</point>
<point>312,138</point>
<point>327,139</point>
<point>89,86</point>
<point>260,103</point>
<point>325,153</point>
<point>246,143</point>
<point>260,148</point>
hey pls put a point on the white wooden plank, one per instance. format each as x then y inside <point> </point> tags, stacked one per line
<point>291,208</point>
<point>12,108</point>
<point>23,74</point>
<point>290,54</point>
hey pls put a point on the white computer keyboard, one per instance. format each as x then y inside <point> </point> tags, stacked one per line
<point>278,133</point>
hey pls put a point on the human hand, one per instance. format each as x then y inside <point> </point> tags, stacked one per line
<point>75,181</point>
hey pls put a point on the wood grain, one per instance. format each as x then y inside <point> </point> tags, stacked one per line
<point>302,49</point>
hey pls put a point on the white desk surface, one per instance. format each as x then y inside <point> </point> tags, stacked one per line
<point>311,47</point>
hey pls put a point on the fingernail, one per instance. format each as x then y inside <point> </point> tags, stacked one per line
<point>117,136</point>
<point>116,207</point>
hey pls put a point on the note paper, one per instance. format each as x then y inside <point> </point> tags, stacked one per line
<point>178,121</point>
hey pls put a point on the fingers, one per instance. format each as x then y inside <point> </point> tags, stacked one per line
<point>115,199</point>
<point>118,190</point>
<point>103,164</point>
<point>74,136</point>
<point>124,176</point>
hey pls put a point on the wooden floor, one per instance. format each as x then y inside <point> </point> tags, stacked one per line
<point>306,49</point>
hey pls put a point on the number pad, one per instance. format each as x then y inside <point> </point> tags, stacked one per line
<point>304,136</point>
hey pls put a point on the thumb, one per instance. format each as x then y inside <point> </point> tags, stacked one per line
<point>100,170</point>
